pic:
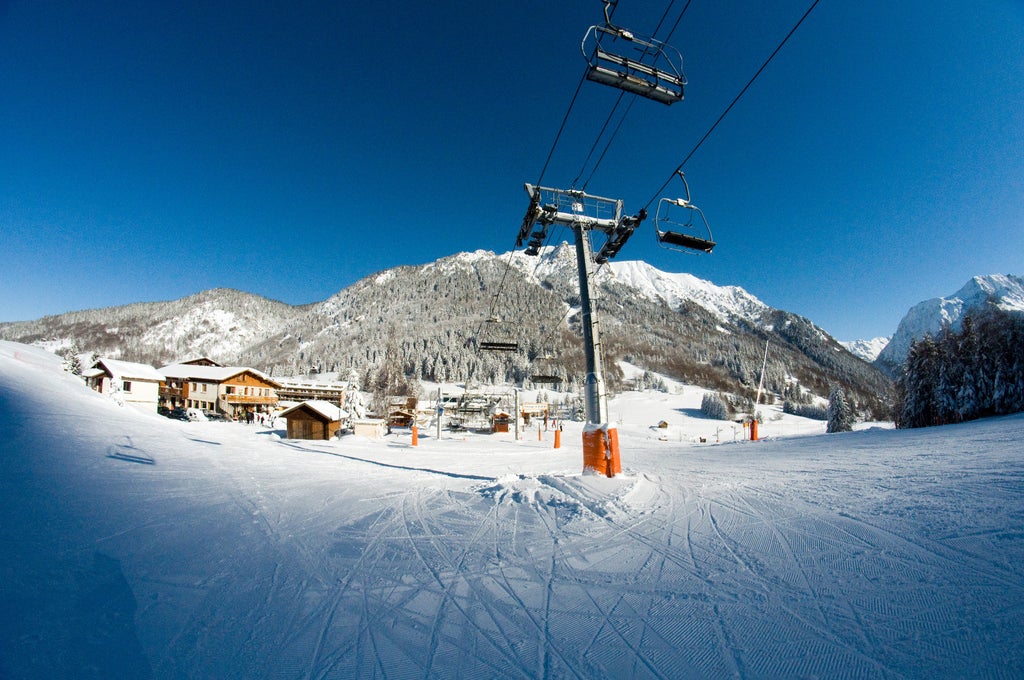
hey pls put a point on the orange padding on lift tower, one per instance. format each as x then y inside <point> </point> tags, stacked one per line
<point>601,451</point>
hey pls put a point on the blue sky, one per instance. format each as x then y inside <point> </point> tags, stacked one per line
<point>149,150</point>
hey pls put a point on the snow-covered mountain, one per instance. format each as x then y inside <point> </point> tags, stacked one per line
<point>726,303</point>
<point>1005,291</point>
<point>868,350</point>
<point>219,323</point>
<point>428,319</point>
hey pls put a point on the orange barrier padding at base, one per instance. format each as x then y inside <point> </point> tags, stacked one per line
<point>558,439</point>
<point>601,451</point>
<point>753,430</point>
<point>614,462</point>
<point>415,436</point>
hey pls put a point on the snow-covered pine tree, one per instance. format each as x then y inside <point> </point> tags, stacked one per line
<point>967,403</point>
<point>840,415</point>
<point>713,406</point>
<point>72,363</point>
<point>917,385</point>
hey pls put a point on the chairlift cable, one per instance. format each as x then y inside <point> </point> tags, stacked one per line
<point>540,179</point>
<point>561,129</point>
<point>565,118</point>
<point>609,144</point>
<point>593,147</point>
<point>732,104</point>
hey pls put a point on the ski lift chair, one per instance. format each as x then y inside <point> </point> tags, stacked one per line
<point>680,225</point>
<point>496,337</point>
<point>654,72</point>
<point>544,371</point>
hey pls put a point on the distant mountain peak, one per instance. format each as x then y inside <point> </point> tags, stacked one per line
<point>724,302</point>
<point>868,350</point>
<point>928,317</point>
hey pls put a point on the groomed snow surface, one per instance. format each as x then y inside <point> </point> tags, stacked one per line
<point>136,546</point>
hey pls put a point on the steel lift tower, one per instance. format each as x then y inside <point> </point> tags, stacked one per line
<point>584,214</point>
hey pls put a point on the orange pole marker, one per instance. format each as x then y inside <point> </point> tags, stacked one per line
<point>415,436</point>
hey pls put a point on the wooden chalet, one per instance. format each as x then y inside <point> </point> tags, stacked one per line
<point>234,391</point>
<point>500,421</point>
<point>306,390</point>
<point>401,411</point>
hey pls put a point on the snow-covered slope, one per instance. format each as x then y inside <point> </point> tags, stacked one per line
<point>928,317</point>
<point>136,546</point>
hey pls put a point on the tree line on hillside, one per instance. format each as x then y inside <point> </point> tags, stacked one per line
<point>839,414</point>
<point>972,373</point>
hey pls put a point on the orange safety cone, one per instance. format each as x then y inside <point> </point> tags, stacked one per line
<point>415,436</point>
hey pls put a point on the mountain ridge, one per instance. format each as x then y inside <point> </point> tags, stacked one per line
<point>428,318</point>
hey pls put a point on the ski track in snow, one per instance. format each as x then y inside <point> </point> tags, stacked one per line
<point>138,547</point>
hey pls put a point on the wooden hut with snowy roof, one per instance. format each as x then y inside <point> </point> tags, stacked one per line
<point>314,419</point>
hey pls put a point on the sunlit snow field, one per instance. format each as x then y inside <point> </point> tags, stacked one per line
<point>136,546</point>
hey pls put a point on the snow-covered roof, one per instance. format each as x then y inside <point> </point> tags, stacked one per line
<point>209,373</point>
<point>199,361</point>
<point>121,370</point>
<point>324,408</point>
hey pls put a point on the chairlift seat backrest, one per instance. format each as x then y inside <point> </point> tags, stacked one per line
<point>496,336</point>
<point>544,370</point>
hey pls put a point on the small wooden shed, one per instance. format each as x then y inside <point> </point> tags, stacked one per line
<point>369,427</point>
<point>313,419</point>
<point>500,421</point>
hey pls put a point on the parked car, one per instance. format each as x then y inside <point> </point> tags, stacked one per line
<point>177,414</point>
<point>195,414</point>
<point>219,417</point>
